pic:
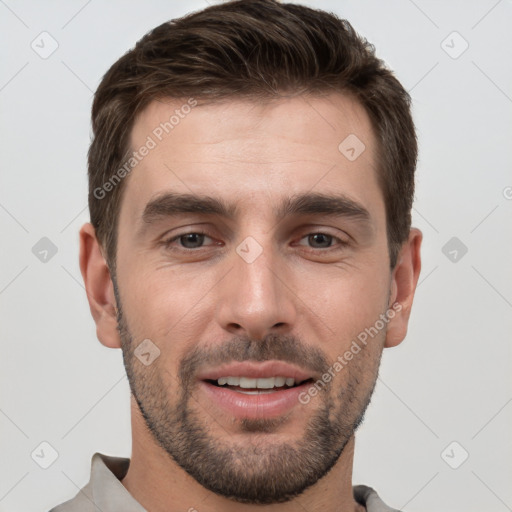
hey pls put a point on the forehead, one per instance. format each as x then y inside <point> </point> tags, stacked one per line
<point>250,152</point>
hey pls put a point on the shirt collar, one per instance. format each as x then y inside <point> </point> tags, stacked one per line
<point>109,494</point>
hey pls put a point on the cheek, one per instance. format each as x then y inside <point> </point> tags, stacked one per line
<point>164,305</point>
<point>353,300</point>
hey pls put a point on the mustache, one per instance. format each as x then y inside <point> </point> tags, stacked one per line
<point>286,348</point>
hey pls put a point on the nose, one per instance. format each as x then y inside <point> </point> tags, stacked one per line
<point>256,297</point>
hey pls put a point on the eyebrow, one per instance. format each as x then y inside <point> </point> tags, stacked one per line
<point>173,204</point>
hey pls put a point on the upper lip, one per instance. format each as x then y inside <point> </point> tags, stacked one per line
<point>256,370</point>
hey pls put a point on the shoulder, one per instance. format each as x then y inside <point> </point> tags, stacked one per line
<point>82,502</point>
<point>104,487</point>
<point>368,497</point>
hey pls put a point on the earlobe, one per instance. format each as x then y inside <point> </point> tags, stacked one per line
<point>403,285</point>
<point>99,287</point>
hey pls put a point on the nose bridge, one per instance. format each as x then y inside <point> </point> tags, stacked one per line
<point>255,298</point>
<point>255,267</point>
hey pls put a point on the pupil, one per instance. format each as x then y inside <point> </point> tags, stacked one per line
<point>326,237</point>
<point>190,238</point>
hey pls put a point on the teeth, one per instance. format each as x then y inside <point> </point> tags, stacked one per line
<point>280,381</point>
<point>247,383</point>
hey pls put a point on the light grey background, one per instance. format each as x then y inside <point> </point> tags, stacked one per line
<point>449,380</point>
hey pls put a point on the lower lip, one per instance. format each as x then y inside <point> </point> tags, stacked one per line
<point>262,405</point>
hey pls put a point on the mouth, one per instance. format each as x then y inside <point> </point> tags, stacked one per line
<point>252,386</point>
<point>254,389</point>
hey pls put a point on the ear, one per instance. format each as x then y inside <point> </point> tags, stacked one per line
<point>99,287</point>
<point>403,285</point>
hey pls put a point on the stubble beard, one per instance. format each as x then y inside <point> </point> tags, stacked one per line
<point>257,470</point>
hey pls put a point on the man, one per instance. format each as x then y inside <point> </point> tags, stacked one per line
<point>250,251</point>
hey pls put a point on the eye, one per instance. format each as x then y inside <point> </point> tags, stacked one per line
<point>195,240</point>
<point>190,241</point>
<point>323,240</point>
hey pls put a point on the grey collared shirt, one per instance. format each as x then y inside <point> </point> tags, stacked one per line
<point>106,493</point>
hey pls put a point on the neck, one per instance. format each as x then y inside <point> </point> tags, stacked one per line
<point>159,484</point>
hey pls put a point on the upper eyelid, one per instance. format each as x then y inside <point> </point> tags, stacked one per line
<point>307,228</point>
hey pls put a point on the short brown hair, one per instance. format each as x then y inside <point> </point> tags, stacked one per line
<point>259,50</point>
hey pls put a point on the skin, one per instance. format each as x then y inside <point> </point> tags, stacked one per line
<point>299,293</point>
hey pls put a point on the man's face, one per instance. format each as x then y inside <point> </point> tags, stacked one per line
<point>261,285</point>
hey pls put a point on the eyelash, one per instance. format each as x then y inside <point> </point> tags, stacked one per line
<point>167,243</point>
